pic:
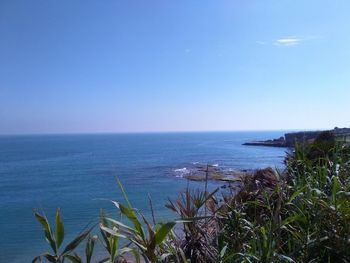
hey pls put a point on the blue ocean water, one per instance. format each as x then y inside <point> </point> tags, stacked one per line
<point>78,174</point>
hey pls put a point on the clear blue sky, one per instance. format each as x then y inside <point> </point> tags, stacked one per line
<point>125,66</point>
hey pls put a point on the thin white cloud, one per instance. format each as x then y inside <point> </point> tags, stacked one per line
<point>288,41</point>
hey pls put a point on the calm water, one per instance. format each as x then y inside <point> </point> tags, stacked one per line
<point>76,172</point>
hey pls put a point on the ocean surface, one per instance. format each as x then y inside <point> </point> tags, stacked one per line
<point>78,174</point>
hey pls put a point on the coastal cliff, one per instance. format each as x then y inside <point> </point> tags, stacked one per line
<point>290,139</point>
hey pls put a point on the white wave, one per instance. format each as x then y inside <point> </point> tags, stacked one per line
<point>181,172</point>
<point>215,165</point>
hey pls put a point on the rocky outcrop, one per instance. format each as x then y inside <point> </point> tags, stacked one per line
<point>202,172</point>
<point>271,143</point>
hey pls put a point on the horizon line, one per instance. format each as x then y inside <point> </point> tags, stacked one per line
<point>157,132</point>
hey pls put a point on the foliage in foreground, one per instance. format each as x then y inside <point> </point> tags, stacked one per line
<point>300,215</point>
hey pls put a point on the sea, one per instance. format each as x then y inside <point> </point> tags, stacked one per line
<point>79,174</point>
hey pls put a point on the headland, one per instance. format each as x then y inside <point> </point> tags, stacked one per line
<point>290,139</point>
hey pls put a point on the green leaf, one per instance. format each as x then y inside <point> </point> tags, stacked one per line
<point>47,230</point>
<point>105,238</point>
<point>318,192</point>
<point>163,231</point>
<point>223,251</point>
<point>137,255</point>
<point>72,245</point>
<point>124,193</point>
<point>121,225</point>
<point>37,259</point>
<point>296,193</point>
<point>50,257</point>
<point>191,219</point>
<point>113,245</point>
<point>164,256</point>
<point>335,188</point>
<point>112,232</point>
<point>125,250</point>
<point>131,215</point>
<point>290,219</point>
<point>183,256</point>
<point>59,229</point>
<point>343,193</point>
<point>285,258</point>
<point>89,249</point>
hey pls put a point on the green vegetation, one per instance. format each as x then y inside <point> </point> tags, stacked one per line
<point>55,242</point>
<point>300,215</point>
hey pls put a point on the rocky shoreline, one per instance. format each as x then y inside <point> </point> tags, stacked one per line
<point>202,172</point>
<point>232,181</point>
<point>281,142</point>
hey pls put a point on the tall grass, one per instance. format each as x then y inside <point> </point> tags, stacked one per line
<point>304,217</point>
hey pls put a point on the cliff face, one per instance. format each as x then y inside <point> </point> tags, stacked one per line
<point>290,139</point>
<point>341,131</point>
<point>301,137</point>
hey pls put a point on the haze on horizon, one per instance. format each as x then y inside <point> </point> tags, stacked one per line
<point>161,65</point>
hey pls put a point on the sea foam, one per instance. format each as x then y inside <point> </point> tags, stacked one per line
<point>181,172</point>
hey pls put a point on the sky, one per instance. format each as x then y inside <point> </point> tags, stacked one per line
<point>87,66</point>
